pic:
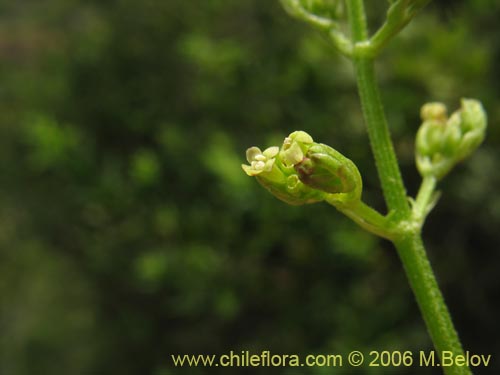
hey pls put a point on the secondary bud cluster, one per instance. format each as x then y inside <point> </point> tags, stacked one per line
<point>304,171</point>
<point>443,141</point>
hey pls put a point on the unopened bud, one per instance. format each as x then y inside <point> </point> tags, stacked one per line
<point>326,169</point>
<point>433,111</point>
<point>442,142</point>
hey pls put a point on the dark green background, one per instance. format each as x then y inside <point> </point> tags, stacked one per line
<point>129,232</point>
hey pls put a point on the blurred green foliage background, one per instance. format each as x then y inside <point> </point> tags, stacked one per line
<point>128,231</point>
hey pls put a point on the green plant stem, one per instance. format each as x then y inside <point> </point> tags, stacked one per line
<point>409,242</point>
<point>366,217</point>
<point>296,9</point>
<point>378,130</point>
<point>425,288</point>
<point>341,42</point>
<point>424,201</point>
<point>384,35</point>
<point>357,19</point>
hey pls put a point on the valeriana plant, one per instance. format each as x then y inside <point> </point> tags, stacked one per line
<point>302,171</point>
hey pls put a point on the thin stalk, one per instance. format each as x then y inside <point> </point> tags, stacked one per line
<point>384,35</point>
<point>423,203</point>
<point>409,243</point>
<point>366,217</point>
<point>378,130</point>
<point>357,19</point>
<point>430,300</point>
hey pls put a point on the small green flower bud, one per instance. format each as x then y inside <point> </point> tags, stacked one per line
<point>279,179</point>
<point>473,126</point>
<point>442,142</point>
<point>326,169</point>
<point>433,111</point>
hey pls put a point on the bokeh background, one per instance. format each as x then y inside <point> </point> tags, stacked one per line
<point>129,232</point>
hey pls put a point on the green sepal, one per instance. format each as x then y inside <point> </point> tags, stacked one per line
<point>326,169</point>
<point>292,191</point>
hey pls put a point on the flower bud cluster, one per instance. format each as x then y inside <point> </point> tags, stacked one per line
<point>444,141</point>
<point>303,171</point>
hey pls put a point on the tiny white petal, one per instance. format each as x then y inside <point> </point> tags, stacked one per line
<point>252,152</point>
<point>248,170</point>
<point>271,152</point>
